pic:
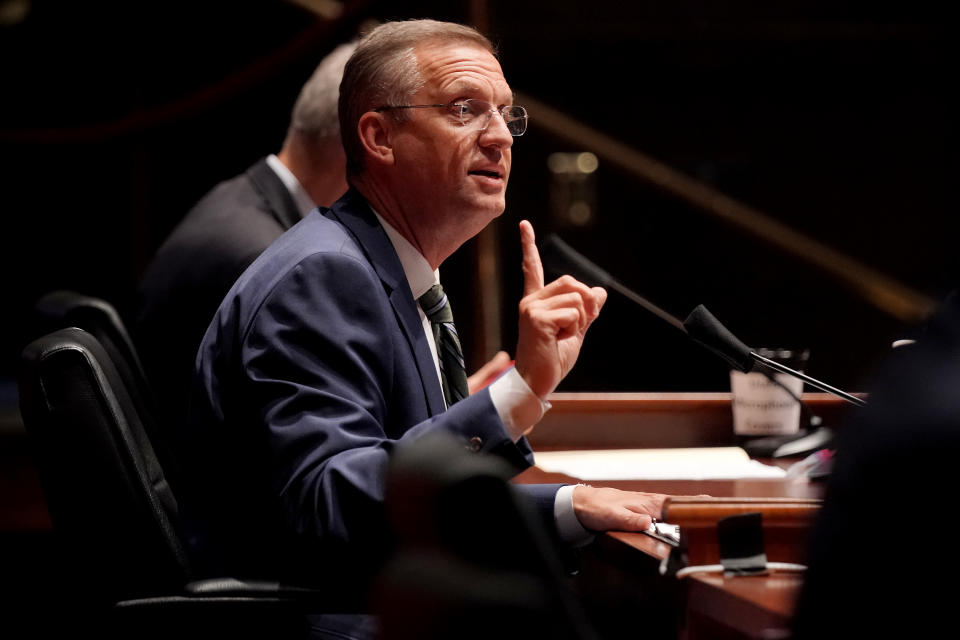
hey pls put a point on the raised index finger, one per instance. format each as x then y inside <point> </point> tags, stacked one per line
<point>532,267</point>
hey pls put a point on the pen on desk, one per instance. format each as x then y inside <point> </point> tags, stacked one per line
<point>808,463</point>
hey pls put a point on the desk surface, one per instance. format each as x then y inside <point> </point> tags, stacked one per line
<point>745,488</point>
<point>750,606</point>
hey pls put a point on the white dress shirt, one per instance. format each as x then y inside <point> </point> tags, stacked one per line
<point>301,198</point>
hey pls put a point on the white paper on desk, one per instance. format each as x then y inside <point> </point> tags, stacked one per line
<point>706,463</point>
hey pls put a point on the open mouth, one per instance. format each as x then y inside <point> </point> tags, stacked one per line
<point>485,173</point>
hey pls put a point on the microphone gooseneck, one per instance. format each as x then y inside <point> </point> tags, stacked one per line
<point>564,258</point>
<point>700,325</point>
<point>813,382</point>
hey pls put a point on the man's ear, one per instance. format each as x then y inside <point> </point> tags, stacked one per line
<point>375,131</point>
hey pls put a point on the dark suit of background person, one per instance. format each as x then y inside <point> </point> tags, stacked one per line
<point>228,228</point>
<point>884,560</point>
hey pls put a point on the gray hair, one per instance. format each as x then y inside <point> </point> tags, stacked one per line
<point>315,111</point>
<point>384,71</point>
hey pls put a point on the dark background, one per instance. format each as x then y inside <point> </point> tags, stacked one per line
<point>835,118</point>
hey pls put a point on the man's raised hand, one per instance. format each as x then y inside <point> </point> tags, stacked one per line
<point>554,319</point>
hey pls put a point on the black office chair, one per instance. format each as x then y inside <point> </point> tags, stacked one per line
<point>473,560</point>
<point>63,308</point>
<point>115,515</point>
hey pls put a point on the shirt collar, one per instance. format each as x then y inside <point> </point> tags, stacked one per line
<point>304,203</point>
<point>419,275</point>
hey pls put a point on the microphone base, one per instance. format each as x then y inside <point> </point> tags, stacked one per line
<point>764,446</point>
<point>795,444</point>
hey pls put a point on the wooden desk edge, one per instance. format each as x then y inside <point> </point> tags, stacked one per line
<point>651,420</point>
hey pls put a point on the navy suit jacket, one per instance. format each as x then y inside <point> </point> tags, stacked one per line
<point>314,369</point>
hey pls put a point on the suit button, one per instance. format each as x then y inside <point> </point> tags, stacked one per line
<point>476,444</point>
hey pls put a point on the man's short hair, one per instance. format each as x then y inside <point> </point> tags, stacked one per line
<point>384,70</point>
<point>315,111</point>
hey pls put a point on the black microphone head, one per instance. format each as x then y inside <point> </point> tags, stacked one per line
<point>703,327</point>
<point>560,258</point>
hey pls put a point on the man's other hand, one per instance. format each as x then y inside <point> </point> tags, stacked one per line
<point>607,509</point>
<point>488,372</point>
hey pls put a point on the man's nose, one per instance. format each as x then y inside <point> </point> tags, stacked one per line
<point>496,133</point>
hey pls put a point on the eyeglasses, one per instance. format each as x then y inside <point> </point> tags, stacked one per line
<point>471,111</point>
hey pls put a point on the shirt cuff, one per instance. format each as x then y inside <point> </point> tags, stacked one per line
<point>568,526</point>
<point>517,405</point>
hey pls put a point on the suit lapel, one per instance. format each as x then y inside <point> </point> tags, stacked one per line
<point>268,184</point>
<point>354,213</point>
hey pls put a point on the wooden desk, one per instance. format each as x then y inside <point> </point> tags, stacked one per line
<point>741,607</point>
<point>701,605</point>
<point>642,420</point>
<point>707,606</point>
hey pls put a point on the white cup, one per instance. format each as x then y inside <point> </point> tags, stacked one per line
<point>762,407</point>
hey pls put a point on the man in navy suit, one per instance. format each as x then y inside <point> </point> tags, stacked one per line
<point>320,363</point>
<point>233,224</point>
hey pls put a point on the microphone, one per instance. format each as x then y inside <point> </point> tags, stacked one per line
<point>704,329</point>
<point>701,325</point>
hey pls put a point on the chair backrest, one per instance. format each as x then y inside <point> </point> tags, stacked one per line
<point>61,309</point>
<point>107,494</point>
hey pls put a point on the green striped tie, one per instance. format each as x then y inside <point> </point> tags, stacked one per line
<point>453,375</point>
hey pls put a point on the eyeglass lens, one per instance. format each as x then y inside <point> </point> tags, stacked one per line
<point>515,117</point>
